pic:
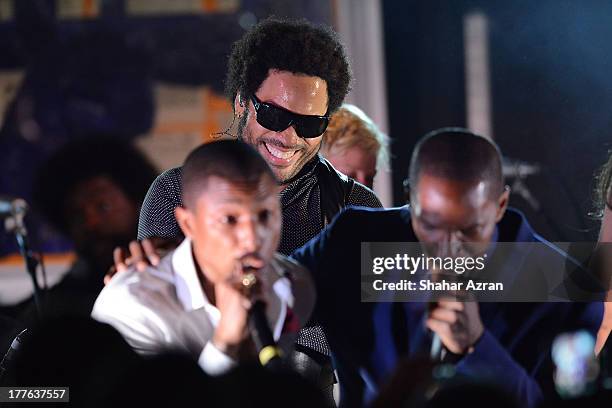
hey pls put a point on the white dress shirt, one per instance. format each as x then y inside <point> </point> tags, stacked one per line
<point>165,307</point>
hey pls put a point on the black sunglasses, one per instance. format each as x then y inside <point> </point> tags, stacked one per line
<point>278,119</point>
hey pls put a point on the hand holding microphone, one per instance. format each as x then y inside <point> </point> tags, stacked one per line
<point>268,352</point>
<point>231,332</point>
<point>243,316</point>
<point>454,318</point>
<point>457,324</point>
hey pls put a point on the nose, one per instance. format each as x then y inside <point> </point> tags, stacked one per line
<point>450,243</point>
<point>455,243</point>
<point>249,239</point>
<point>91,217</point>
<point>290,136</point>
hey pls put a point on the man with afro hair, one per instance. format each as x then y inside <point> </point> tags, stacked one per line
<point>285,78</point>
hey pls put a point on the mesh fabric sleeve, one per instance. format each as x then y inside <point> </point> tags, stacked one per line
<point>157,211</point>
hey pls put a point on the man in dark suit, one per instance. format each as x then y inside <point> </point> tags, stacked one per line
<point>458,204</point>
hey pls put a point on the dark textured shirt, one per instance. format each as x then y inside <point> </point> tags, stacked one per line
<point>302,218</point>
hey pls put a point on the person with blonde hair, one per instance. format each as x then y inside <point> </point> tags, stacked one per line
<point>354,144</point>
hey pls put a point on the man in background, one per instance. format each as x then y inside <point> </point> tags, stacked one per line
<point>91,191</point>
<point>354,145</point>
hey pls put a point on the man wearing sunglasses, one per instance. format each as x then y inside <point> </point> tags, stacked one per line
<point>285,78</point>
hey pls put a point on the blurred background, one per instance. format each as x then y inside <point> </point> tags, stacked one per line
<point>534,76</point>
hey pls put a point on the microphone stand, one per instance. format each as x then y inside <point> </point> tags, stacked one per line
<point>14,224</point>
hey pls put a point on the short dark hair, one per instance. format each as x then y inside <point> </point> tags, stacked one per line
<point>603,188</point>
<point>82,160</point>
<point>231,160</point>
<point>460,155</point>
<point>295,46</point>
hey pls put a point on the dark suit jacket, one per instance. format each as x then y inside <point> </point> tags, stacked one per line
<point>368,339</point>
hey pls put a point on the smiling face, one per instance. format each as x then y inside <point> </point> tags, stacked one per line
<point>285,152</point>
<point>233,227</point>
<point>455,219</point>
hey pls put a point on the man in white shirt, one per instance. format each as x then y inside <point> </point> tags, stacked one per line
<point>194,298</point>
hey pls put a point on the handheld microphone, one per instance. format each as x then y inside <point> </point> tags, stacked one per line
<point>269,353</point>
<point>435,353</point>
<point>438,352</point>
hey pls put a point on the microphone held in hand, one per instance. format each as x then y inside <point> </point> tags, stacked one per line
<point>269,352</point>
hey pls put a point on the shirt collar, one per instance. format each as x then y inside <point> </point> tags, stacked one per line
<point>188,288</point>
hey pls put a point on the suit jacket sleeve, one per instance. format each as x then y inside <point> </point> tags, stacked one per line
<point>490,357</point>
<point>324,256</point>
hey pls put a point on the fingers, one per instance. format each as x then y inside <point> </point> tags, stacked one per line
<point>457,323</point>
<point>443,330</point>
<point>141,255</point>
<point>119,259</point>
<point>137,256</point>
<point>448,319</point>
<point>136,252</point>
<point>118,265</point>
<point>249,291</point>
<point>109,275</point>
<point>151,252</point>
<point>453,339</point>
<point>451,304</point>
<point>445,315</point>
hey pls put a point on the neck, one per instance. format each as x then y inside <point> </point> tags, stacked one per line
<point>307,167</point>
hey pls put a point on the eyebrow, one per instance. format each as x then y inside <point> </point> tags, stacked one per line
<point>430,216</point>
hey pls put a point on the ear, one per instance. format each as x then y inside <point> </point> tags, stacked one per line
<point>502,203</point>
<point>239,105</point>
<point>185,220</point>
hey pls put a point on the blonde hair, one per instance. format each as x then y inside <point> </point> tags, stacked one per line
<point>350,127</point>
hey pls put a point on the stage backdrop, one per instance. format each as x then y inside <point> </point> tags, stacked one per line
<point>549,65</point>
